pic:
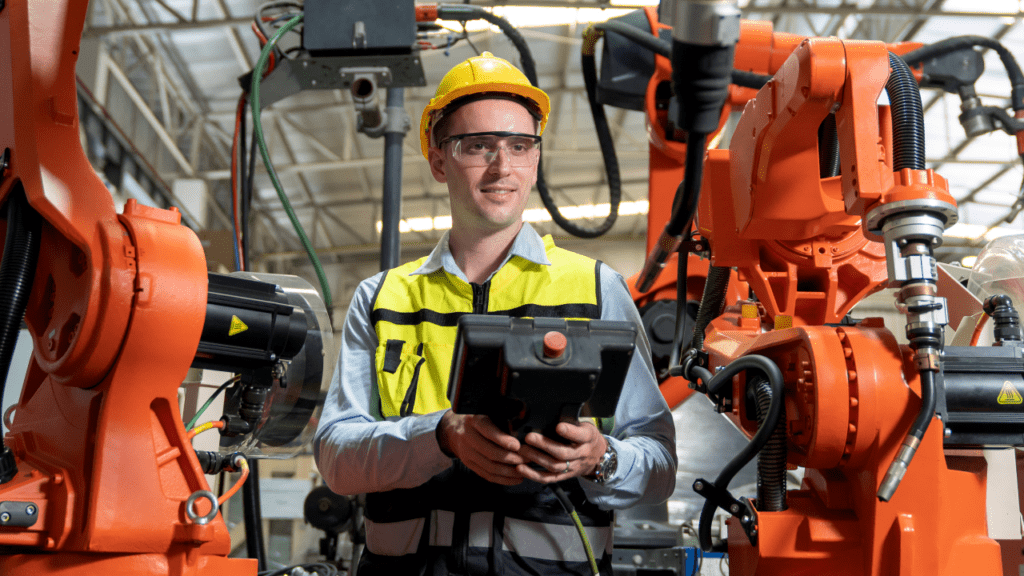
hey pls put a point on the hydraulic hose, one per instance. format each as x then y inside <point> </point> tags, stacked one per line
<point>17,271</point>
<point>252,515</point>
<point>638,36</point>
<point>767,427</point>
<point>771,461</point>
<point>948,45</point>
<point>711,303</point>
<point>663,48</point>
<point>463,12</point>
<point>682,273</point>
<point>925,310</point>
<point>683,210</point>
<point>907,116</point>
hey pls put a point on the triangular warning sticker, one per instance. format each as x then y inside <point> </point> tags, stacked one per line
<point>1009,394</point>
<point>238,326</point>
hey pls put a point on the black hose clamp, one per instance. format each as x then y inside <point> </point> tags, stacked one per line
<point>743,510</point>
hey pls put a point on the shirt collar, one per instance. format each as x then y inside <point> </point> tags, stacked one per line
<point>528,245</point>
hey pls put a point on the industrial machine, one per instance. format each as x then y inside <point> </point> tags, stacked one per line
<point>820,198</point>
<point>97,471</point>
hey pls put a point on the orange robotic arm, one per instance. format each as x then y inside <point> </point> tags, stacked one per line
<point>97,469</point>
<point>116,310</point>
<point>846,395</point>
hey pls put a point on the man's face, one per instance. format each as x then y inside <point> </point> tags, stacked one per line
<point>491,197</point>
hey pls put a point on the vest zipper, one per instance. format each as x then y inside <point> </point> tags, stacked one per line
<point>480,296</point>
<point>409,402</point>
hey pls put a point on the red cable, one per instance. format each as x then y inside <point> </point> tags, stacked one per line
<point>263,42</point>
<point>234,179</point>
<point>978,329</point>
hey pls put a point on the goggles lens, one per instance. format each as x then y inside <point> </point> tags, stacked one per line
<point>481,148</point>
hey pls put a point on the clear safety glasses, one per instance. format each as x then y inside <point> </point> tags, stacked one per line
<point>480,148</point>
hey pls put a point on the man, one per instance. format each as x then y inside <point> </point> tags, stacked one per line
<point>450,493</point>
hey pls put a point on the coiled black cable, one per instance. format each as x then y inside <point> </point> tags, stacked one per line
<point>17,271</point>
<point>828,148</point>
<point>907,116</point>
<point>716,386</point>
<point>771,461</point>
<point>711,303</point>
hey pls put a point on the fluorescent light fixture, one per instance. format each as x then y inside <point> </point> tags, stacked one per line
<point>426,223</point>
<point>968,261</point>
<point>965,230</point>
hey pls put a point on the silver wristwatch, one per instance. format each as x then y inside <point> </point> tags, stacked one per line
<point>605,466</point>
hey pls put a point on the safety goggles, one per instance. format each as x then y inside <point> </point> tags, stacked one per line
<point>480,148</point>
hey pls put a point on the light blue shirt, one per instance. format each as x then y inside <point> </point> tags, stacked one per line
<point>358,454</point>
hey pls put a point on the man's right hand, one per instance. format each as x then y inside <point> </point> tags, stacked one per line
<point>481,446</point>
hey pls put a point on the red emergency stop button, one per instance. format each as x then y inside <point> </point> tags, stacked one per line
<point>554,344</point>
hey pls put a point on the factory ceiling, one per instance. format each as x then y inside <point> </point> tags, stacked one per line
<point>159,86</point>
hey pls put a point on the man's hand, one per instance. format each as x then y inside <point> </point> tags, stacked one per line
<point>562,461</point>
<point>484,449</point>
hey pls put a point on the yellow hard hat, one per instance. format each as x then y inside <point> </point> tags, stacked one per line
<point>476,75</point>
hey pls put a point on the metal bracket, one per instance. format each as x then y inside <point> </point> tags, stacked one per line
<point>21,514</point>
<point>381,74</point>
<point>740,509</point>
<point>5,160</point>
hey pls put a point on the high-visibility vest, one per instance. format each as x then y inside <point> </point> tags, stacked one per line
<point>450,524</point>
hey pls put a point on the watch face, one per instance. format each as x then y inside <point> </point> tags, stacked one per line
<point>609,464</point>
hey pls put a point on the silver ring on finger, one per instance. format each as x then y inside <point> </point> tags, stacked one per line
<point>566,471</point>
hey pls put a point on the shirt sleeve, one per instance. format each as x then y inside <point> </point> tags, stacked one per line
<point>644,436</point>
<point>355,451</point>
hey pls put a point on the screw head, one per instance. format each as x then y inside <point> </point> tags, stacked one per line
<point>735,508</point>
<point>30,510</point>
<point>5,517</point>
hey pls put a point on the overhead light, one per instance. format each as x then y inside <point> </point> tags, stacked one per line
<point>964,230</point>
<point>540,16</point>
<point>968,261</point>
<point>1000,232</point>
<point>427,224</point>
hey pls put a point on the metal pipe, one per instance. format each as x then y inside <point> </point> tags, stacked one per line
<point>397,126</point>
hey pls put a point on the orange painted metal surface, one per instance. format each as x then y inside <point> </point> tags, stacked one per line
<point>851,393</point>
<point>764,204</point>
<point>798,239</point>
<point>787,262</point>
<point>116,312</point>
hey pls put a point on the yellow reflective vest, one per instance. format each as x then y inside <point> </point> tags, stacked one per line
<point>457,523</point>
<point>416,317</point>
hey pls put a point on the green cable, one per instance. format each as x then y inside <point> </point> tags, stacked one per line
<point>191,423</point>
<point>257,130</point>
<point>586,542</point>
<point>567,504</point>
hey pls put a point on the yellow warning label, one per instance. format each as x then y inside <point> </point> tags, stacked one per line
<point>1009,394</point>
<point>238,326</point>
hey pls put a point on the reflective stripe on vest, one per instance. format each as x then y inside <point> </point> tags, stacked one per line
<point>544,541</point>
<point>416,318</point>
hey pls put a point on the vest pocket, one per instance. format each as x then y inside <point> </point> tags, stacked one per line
<point>398,366</point>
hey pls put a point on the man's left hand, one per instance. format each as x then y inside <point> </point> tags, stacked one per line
<point>563,461</point>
